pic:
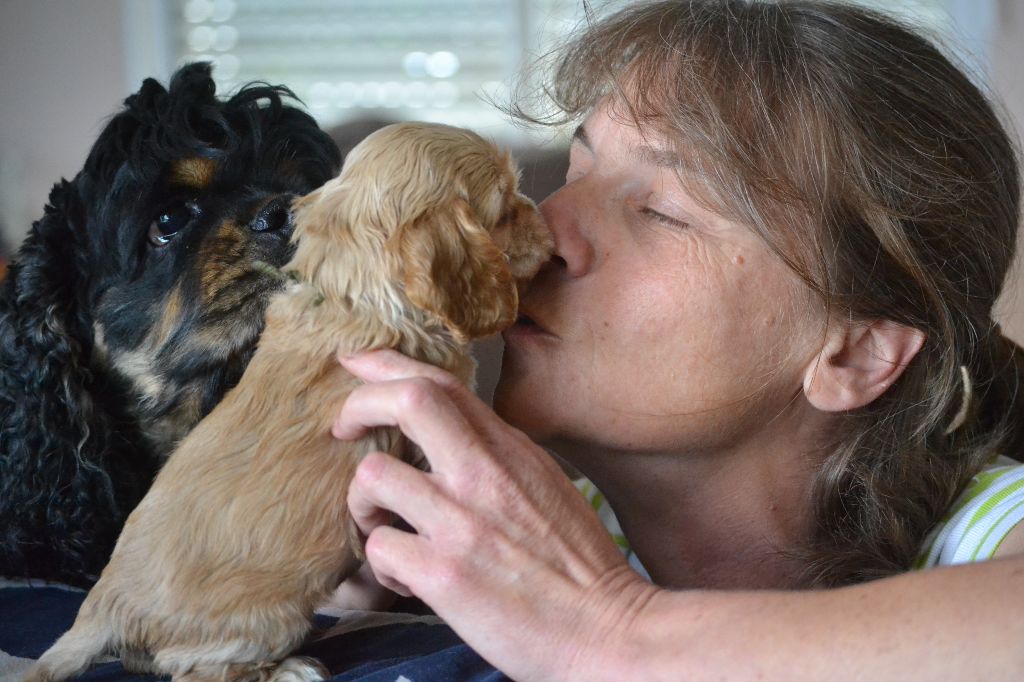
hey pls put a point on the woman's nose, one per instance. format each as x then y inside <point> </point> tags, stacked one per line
<point>565,212</point>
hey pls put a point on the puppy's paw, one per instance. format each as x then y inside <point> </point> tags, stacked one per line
<point>299,669</point>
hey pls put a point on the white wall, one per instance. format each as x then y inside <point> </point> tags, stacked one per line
<point>1008,82</point>
<point>61,74</point>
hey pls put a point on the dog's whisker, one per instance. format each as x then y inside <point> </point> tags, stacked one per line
<point>268,269</point>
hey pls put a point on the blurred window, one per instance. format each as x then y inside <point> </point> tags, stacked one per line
<point>394,59</point>
<point>398,59</point>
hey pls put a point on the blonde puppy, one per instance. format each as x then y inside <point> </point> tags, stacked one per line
<point>418,245</point>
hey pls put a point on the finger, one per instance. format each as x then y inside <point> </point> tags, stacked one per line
<point>421,409</point>
<point>384,485</point>
<point>390,365</point>
<point>397,559</point>
<point>396,587</point>
<point>366,515</point>
<point>361,592</point>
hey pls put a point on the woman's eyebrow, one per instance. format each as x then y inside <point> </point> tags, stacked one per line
<point>651,156</point>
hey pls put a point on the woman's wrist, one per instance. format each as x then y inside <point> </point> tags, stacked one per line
<point>614,631</point>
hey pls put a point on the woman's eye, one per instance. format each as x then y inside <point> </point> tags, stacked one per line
<point>662,218</point>
<point>171,222</point>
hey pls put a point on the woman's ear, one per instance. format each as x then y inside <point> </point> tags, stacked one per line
<point>858,363</point>
<point>453,269</point>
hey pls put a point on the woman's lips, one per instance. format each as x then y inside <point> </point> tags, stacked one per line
<point>528,322</point>
<point>526,326</point>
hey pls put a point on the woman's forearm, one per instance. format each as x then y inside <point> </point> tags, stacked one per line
<point>960,623</point>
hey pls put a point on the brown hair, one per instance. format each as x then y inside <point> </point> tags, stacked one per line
<point>881,175</point>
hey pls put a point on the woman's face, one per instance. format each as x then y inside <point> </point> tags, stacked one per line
<point>658,325</point>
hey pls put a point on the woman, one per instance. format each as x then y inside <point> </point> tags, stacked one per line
<point>766,337</point>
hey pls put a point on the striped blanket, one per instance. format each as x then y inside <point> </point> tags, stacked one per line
<point>355,646</point>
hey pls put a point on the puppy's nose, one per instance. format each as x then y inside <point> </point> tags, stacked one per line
<point>274,216</point>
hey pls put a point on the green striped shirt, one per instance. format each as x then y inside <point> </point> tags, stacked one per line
<point>983,515</point>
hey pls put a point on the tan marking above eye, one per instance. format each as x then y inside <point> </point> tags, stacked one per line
<point>194,172</point>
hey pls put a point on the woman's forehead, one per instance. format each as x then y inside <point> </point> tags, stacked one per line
<point>651,148</point>
<point>643,150</point>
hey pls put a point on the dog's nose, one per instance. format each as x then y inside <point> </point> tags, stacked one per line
<point>275,215</point>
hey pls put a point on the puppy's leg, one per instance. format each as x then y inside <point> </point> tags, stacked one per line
<point>294,669</point>
<point>239,672</point>
<point>299,669</point>
<point>72,653</point>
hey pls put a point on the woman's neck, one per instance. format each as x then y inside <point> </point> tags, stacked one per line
<point>714,519</point>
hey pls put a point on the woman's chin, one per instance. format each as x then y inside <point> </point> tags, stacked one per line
<point>519,406</point>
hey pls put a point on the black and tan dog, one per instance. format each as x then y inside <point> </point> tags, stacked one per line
<point>134,305</point>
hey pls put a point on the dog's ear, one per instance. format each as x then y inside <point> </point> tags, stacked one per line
<point>453,269</point>
<point>58,506</point>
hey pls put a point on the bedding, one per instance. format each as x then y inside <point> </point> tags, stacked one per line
<point>354,645</point>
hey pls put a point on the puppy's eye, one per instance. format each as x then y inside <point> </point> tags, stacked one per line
<point>170,222</point>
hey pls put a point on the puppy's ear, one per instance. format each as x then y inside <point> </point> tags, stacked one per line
<point>58,506</point>
<point>453,269</point>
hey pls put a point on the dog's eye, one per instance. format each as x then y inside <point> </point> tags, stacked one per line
<point>171,222</point>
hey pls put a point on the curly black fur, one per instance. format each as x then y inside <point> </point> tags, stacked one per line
<point>113,345</point>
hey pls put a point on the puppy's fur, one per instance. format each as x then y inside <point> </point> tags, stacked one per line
<point>135,303</point>
<point>418,245</point>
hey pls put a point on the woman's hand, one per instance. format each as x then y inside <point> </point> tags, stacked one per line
<point>506,550</point>
<point>359,592</point>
